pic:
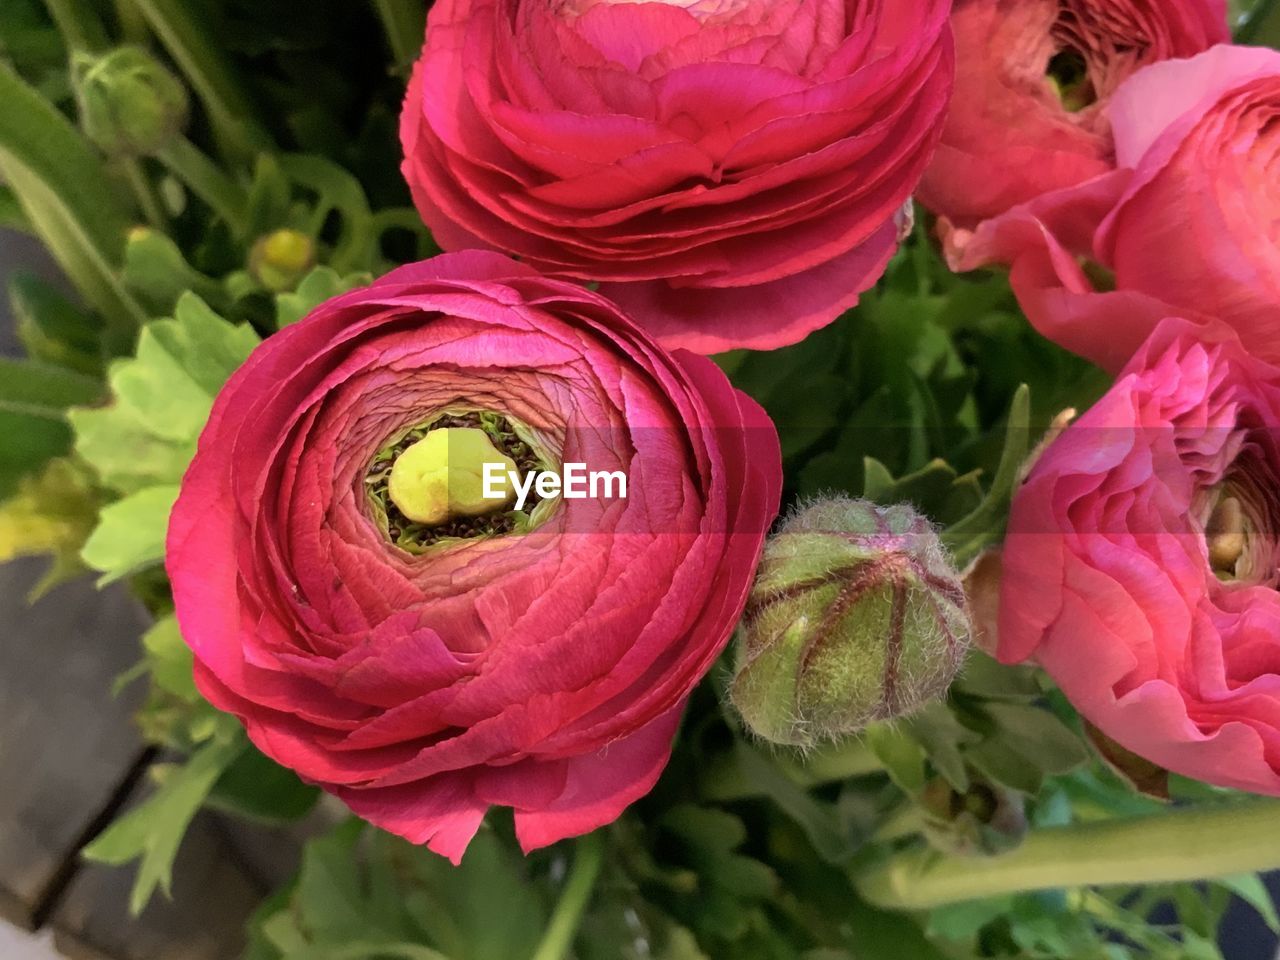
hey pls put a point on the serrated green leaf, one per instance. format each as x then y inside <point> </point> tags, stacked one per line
<point>153,831</point>
<point>130,533</point>
<point>158,274</point>
<point>161,398</point>
<point>321,284</point>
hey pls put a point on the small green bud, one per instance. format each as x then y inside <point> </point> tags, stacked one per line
<point>130,104</point>
<point>856,616</point>
<point>281,259</point>
<point>984,820</point>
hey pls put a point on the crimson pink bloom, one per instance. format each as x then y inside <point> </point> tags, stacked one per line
<point>1141,565</point>
<point>733,172</point>
<point>1034,79</point>
<point>1190,226</point>
<point>535,660</point>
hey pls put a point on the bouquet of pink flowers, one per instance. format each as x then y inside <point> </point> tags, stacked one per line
<point>673,479</point>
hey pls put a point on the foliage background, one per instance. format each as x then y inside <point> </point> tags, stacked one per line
<point>933,390</point>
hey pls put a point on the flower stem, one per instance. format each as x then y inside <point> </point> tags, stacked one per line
<point>207,69</point>
<point>207,180</point>
<point>405,24</point>
<point>725,780</point>
<point>78,24</point>
<point>1178,845</point>
<point>148,203</point>
<point>557,941</point>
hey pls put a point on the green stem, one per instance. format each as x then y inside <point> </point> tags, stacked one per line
<point>209,73</point>
<point>557,941</point>
<point>148,202</point>
<point>208,181</point>
<point>405,24</point>
<point>725,781</point>
<point>78,24</point>
<point>1174,846</point>
<point>133,26</point>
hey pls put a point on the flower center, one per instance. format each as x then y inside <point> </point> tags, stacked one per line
<point>1238,527</point>
<point>1227,535</point>
<point>452,478</point>
<point>442,476</point>
<point>1068,74</point>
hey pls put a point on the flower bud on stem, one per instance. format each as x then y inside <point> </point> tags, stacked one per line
<point>856,616</point>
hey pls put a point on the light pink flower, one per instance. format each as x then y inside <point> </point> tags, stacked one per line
<point>1034,81</point>
<point>1188,226</point>
<point>1142,561</point>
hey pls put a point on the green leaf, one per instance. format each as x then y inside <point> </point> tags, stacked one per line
<point>1250,888</point>
<point>1022,744</point>
<point>156,271</point>
<point>63,189</point>
<point>161,398</point>
<point>902,756</point>
<point>153,831</point>
<point>819,822</point>
<point>52,329</point>
<point>483,909</point>
<point>344,897</point>
<point>986,524</point>
<point>321,284</point>
<point>169,660</point>
<point>258,788</point>
<point>130,534</point>
<point>34,398</point>
<point>944,739</point>
<point>51,513</point>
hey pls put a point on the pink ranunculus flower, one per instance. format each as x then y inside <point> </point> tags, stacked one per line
<point>732,172</point>
<point>1188,226</point>
<point>1142,560</point>
<point>1034,82</point>
<point>533,656</point>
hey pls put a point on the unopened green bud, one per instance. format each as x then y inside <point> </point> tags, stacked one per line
<point>130,104</point>
<point>982,820</point>
<point>282,258</point>
<point>856,616</point>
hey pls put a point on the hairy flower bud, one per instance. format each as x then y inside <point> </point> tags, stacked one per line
<point>130,103</point>
<point>856,616</point>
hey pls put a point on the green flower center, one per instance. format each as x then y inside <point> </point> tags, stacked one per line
<point>427,485</point>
